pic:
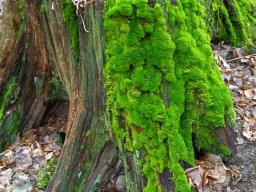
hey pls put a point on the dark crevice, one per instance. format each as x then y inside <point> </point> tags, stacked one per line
<point>151,3</point>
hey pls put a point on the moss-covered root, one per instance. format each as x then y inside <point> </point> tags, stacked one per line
<point>163,85</point>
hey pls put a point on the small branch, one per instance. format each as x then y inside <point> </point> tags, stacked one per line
<point>83,23</point>
<point>237,58</point>
<point>78,4</point>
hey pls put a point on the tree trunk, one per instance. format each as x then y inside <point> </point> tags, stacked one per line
<point>165,96</point>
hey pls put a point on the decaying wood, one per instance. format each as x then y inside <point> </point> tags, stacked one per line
<point>227,136</point>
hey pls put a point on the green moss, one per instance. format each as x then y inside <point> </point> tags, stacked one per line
<point>7,96</point>
<point>9,127</point>
<point>46,172</point>
<point>101,136</point>
<point>9,123</point>
<point>224,150</point>
<point>43,6</point>
<point>163,83</point>
<point>233,22</point>
<point>22,19</point>
<point>57,90</point>
<point>70,19</point>
<point>204,91</point>
<point>21,11</point>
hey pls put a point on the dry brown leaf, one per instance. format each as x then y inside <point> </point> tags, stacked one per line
<point>205,179</point>
<point>246,86</point>
<point>5,176</point>
<point>246,131</point>
<point>249,94</point>
<point>40,148</point>
<point>195,178</point>
<point>253,137</point>
<point>6,158</point>
<point>236,175</point>
<point>48,156</point>
<point>254,113</point>
<point>248,120</point>
<point>212,170</point>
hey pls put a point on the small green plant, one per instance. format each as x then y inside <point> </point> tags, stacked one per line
<point>46,172</point>
<point>56,87</point>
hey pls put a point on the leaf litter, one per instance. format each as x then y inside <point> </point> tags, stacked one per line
<point>238,70</point>
<point>21,163</point>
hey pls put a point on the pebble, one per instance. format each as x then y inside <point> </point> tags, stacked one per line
<point>240,140</point>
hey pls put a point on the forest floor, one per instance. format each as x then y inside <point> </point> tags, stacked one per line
<point>25,161</point>
<point>28,163</point>
<point>238,69</point>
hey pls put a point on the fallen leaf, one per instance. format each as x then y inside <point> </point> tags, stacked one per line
<point>254,113</point>
<point>249,94</point>
<point>5,176</point>
<point>238,81</point>
<point>236,175</point>
<point>48,156</point>
<point>246,86</point>
<point>195,178</point>
<point>246,131</point>
<point>6,158</point>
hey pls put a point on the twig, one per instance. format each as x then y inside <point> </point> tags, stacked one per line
<point>83,23</point>
<point>237,58</point>
<point>77,4</point>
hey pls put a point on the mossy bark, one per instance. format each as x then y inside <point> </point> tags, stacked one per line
<point>23,60</point>
<point>164,93</point>
<point>89,154</point>
<point>48,41</point>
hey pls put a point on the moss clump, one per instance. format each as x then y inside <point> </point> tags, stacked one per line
<point>224,150</point>
<point>163,85</point>
<point>46,172</point>
<point>207,100</point>
<point>70,19</point>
